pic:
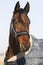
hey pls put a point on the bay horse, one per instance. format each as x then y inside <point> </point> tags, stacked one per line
<point>19,37</point>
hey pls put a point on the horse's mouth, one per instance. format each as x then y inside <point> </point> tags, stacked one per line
<point>24,43</point>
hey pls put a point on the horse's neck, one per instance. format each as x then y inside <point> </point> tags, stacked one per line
<point>13,44</point>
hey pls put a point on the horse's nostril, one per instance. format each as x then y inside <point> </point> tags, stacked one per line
<point>25,46</point>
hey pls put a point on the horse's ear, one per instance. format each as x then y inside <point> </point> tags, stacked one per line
<point>27,7</point>
<point>17,7</point>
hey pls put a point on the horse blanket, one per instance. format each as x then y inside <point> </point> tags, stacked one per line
<point>33,57</point>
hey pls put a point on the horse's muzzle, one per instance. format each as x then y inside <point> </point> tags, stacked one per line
<point>25,46</point>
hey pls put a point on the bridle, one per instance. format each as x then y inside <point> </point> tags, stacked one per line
<point>17,34</point>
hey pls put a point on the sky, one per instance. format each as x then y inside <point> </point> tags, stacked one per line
<point>6,12</point>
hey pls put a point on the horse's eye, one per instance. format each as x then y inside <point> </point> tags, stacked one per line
<point>15,21</point>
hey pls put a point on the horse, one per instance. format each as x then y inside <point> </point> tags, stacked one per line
<point>19,37</point>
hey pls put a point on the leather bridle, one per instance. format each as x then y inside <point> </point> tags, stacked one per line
<point>17,34</point>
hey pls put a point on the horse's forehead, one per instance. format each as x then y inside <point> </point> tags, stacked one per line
<point>22,16</point>
<point>25,18</point>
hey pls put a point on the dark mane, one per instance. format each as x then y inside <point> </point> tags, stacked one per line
<point>20,11</point>
<point>13,44</point>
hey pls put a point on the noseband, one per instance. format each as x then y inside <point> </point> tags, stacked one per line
<point>17,34</point>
